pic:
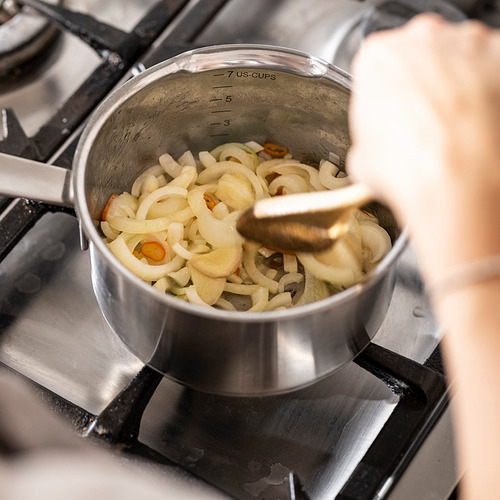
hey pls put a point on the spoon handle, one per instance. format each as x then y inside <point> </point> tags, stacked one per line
<point>354,195</point>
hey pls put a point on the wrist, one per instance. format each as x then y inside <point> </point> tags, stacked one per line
<point>464,276</point>
<point>457,226</point>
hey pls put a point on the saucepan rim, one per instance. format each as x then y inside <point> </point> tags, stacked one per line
<point>304,65</point>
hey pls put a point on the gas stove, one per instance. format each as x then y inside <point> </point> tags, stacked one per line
<point>378,428</point>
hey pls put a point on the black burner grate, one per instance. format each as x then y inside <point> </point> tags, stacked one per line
<point>422,393</point>
<point>119,51</point>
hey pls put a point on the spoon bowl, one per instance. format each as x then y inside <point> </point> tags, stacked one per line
<point>305,222</point>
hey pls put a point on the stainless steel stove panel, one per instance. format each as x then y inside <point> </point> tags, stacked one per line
<point>54,332</point>
<point>316,27</point>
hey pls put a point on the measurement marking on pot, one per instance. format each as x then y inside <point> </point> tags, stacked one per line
<point>219,99</point>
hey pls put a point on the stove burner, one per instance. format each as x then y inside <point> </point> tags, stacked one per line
<point>24,35</point>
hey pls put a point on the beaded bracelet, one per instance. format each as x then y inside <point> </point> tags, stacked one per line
<point>465,275</point>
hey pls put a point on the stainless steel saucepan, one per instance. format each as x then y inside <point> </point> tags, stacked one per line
<point>197,101</point>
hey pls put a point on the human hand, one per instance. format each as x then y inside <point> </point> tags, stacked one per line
<point>425,126</point>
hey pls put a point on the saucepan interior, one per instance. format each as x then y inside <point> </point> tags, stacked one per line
<point>196,102</point>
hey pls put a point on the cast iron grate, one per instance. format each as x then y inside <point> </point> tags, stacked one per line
<point>119,52</point>
<point>421,389</point>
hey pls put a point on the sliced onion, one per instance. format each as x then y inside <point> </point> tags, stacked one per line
<point>218,150</point>
<point>175,233</point>
<point>345,254</point>
<point>288,279</point>
<point>169,165</point>
<point>150,184</point>
<point>340,277</point>
<point>290,264</point>
<point>139,226</point>
<point>182,252</point>
<point>234,278</point>
<point>123,205</point>
<point>253,272</point>
<point>255,146</point>
<point>270,273</point>
<point>235,191</point>
<point>186,178</point>
<point>181,277</point>
<point>266,168</point>
<point>220,210</point>
<point>305,171</point>
<point>328,176</point>
<point>214,172</point>
<point>219,233</point>
<point>260,299</point>
<point>183,216</point>
<point>168,206</point>
<point>240,289</point>
<point>163,285</point>
<point>144,271</point>
<point>155,170</point>
<point>225,304</point>
<point>290,183</point>
<point>206,159</point>
<point>286,167</point>
<point>282,300</point>
<point>376,239</point>
<point>187,159</point>
<point>193,297</point>
<point>108,231</point>
<point>157,195</point>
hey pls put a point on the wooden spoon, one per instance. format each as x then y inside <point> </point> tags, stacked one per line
<point>305,222</point>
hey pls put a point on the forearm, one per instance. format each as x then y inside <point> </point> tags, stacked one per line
<point>471,318</point>
<point>459,253</point>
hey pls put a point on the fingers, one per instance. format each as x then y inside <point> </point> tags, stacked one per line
<point>421,94</point>
<point>379,46</point>
<point>425,128</point>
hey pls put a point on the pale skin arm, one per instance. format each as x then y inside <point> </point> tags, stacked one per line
<point>425,122</point>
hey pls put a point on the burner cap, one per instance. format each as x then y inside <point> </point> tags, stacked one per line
<point>23,35</point>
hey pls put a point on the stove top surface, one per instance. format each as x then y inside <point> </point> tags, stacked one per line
<point>53,333</point>
<point>70,350</point>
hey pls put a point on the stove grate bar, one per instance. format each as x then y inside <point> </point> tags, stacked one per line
<point>182,36</point>
<point>18,217</point>
<point>423,396</point>
<point>23,214</point>
<point>119,422</point>
<point>13,139</point>
<point>422,400</point>
<point>108,74</point>
<point>69,117</point>
<point>100,36</point>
